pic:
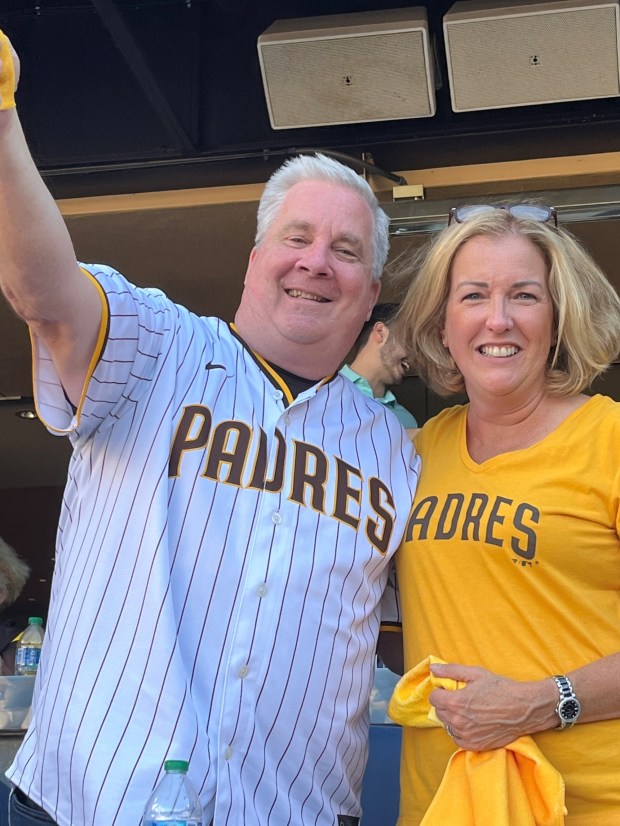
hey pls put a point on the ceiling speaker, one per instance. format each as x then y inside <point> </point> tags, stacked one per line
<point>347,68</point>
<point>531,53</point>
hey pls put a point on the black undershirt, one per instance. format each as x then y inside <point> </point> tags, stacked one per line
<point>296,384</point>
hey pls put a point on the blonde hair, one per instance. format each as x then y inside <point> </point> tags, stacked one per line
<point>586,306</point>
<point>14,573</point>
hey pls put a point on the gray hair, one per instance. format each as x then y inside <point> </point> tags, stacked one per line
<point>319,167</point>
<point>14,573</point>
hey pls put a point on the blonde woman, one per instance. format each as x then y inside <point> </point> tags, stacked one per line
<point>511,568</point>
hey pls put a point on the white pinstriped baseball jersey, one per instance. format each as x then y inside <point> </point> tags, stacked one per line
<point>222,553</point>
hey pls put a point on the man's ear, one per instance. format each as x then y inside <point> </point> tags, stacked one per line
<point>380,332</point>
<point>251,259</point>
<point>375,290</point>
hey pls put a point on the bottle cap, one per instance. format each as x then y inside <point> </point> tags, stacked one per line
<point>35,621</point>
<point>176,765</point>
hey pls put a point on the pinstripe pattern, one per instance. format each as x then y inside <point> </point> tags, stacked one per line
<point>201,615</point>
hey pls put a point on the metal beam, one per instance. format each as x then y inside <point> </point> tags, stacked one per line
<point>131,51</point>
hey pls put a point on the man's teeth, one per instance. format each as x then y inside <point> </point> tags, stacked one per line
<point>309,296</point>
<point>499,352</point>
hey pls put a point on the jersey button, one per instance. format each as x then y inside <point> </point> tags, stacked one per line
<point>262,590</point>
<point>276,518</point>
<point>228,753</point>
<point>287,419</point>
<point>278,394</point>
<point>243,672</point>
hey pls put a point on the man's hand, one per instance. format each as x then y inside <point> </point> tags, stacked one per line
<point>9,72</point>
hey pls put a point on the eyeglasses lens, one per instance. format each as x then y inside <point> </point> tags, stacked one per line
<point>468,211</point>
<point>533,212</point>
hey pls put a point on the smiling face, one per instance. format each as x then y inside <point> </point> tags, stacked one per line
<point>308,287</point>
<point>499,324</point>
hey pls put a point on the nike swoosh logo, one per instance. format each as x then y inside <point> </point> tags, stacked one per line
<point>211,366</point>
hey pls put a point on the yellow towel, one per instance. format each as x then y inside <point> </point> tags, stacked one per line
<point>7,74</point>
<point>503,787</point>
<point>409,704</point>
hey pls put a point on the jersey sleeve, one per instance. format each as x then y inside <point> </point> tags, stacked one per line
<point>136,323</point>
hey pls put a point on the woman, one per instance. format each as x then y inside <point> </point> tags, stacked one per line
<point>511,568</point>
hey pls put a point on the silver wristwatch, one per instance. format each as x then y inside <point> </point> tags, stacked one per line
<point>569,708</point>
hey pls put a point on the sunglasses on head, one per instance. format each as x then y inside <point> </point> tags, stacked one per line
<point>532,212</point>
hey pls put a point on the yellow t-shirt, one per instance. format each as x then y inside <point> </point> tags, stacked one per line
<point>514,565</point>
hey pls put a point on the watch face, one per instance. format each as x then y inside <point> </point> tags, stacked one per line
<point>569,709</point>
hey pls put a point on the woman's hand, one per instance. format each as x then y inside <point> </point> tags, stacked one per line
<point>492,711</point>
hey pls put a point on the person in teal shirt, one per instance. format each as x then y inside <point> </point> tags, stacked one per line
<point>380,361</point>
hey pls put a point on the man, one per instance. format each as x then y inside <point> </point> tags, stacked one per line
<point>380,361</point>
<point>14,573</point>
<point>231,509</point>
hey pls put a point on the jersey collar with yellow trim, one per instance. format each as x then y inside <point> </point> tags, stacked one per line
<point>271,371</point>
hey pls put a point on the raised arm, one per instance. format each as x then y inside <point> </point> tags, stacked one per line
<point>39,274</point>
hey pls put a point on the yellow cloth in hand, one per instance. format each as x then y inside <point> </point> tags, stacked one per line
<point>409,704</point>
<point>512,786</point>
<point>7,74</point>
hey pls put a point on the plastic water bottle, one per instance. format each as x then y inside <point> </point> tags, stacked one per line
<point>174,801</point>
<point>28,650</point>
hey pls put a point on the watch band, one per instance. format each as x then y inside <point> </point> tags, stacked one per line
<point>568,708</point>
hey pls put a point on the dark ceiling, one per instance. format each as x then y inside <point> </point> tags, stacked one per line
<point>135,97</point>
<point>124,96</point>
